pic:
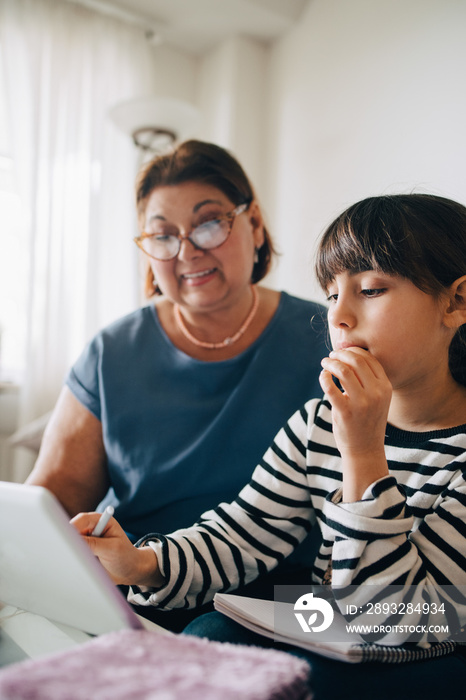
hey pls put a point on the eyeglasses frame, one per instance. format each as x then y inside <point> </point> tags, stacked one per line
<point>229,216</point>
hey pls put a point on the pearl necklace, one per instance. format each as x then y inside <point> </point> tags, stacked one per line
<point>230,339</point>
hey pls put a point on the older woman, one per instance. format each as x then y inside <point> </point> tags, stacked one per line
<point>169,409</point>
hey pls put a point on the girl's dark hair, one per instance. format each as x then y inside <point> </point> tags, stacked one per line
<point>198,161</point>
<point>421,237</point>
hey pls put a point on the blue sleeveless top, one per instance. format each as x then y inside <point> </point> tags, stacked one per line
<point>182,435</point>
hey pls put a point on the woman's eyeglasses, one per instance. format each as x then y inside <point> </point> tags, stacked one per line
<point>166,244</point>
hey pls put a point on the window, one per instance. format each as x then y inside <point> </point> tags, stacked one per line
<point>13,261</point>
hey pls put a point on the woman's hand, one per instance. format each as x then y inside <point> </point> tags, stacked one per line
<point>125,563</point>
<point>359,415</point>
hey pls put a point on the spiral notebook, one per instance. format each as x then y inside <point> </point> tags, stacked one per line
<point>260,616</point>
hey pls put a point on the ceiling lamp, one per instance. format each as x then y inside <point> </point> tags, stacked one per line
<point>156,123</point>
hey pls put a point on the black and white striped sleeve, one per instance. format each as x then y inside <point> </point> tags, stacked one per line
<point>237,542</point>
<point>376,546</point>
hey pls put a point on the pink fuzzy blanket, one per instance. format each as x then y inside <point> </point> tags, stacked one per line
<point>141,665</point>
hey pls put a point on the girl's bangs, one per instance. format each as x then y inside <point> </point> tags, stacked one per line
<point>342,251</point>
<point>370,235</point>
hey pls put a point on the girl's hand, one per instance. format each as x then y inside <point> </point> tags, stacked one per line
<point>124,563</point>
<point>359,415</point>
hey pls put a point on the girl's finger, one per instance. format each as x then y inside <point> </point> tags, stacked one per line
<point>85,522</point>
<point>365,367</point>
<point>350,379</point>
<point>361,358</point>
<point>326,382</point>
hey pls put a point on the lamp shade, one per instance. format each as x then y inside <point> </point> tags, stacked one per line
<point>156,122</point>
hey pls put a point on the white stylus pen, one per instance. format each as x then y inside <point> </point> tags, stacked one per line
<point>103,521</point>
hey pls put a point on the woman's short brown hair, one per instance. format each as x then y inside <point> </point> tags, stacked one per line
<point>198,161</point>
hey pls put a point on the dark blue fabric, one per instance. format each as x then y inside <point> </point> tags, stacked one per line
<point>182,435</point>
<point>432,679</point>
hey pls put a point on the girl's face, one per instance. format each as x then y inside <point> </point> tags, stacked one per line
<point>394,320</point>
<point>203,279</point>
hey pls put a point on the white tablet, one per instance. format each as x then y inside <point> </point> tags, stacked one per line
<point>46,568</point>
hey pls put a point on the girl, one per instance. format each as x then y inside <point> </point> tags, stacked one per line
<point>378,464</point>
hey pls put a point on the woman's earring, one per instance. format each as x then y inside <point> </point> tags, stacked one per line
<point>155,286</point>
<point>256,255</point>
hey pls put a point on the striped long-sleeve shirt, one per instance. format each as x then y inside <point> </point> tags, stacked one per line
<point>408,529</point>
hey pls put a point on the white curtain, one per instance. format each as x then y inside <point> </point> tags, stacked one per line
<point>65,66</point>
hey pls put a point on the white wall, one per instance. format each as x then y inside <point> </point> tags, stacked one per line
<point>232,98</point>
<point>365,97</point>
<point>175,73</point>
